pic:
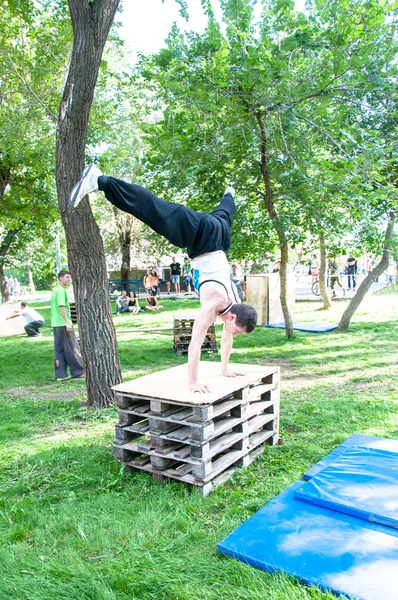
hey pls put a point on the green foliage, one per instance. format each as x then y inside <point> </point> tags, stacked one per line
<point>321,82</point>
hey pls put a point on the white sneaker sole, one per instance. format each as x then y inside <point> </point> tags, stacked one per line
<point>74,199</point>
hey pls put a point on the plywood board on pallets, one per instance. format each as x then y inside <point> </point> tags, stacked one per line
<point>172,384</point>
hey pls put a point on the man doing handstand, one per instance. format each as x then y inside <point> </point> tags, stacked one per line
<point>207,237</point>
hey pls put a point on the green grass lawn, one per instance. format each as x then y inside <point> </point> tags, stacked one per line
<point>73,525</point>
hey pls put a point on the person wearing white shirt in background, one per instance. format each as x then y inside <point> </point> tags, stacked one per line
<point>391,275</point>
<point>160,271</point>
<point>34,320</point>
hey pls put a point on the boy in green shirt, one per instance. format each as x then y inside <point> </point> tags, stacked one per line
<point>66,350</point>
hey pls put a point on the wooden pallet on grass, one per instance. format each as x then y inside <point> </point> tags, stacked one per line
<point>200,440</point>
<point>182,335</point>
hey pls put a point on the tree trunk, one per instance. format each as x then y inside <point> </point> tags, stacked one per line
<point>29,268</point>
<point>323,274</point>
<point>91,23</point>
<point>5,294</point>
<point>124,225</point>
<point>284,248</point>
<point>125,267</point>
<point>4,248</point>
<point>371,277</point>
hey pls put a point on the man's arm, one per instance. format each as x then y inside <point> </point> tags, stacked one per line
<point>65,318</point>
<point>202,323</point>
<point>16,314</point>
<point>226,347</point>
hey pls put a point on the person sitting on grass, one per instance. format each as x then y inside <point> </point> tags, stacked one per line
<point>207,237</point>
<point>122,304</point>
<point>133,303</point>
<point>152,303</point>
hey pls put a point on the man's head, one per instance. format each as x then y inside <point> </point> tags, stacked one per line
<point>158,263</point>
<point>124,293</point>
<point>24,304</point>
<point>173,259</point>
<point>185,260</point>
<point>241,318</point>
<point>64,278</point>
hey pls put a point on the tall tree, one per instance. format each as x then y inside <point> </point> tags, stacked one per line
<point>242,105</point>
<point>91,22</point>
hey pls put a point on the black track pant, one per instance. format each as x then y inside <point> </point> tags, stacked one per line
<point>67,353</point>
<point>181,226</point>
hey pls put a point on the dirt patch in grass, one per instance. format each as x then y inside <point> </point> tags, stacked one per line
<point>31,393</point>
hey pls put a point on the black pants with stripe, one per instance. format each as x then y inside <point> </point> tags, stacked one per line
<point>181,226</point>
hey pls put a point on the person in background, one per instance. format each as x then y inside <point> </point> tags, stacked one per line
<point>147,281</point>
<point>66,351</point>
<point>175,269</point>
<point>297,270</point>
<point>237,279</point>
<point>256,268</point>
<point>314,268</point>
<point>152,303</point>
<point>369,265</point>
<point>187,277</point>
<point>154,282</point>
<point>335,275</point>
<point>276,266</point>
<point>352,269</point>
<point>122,303</point>
<point>16,289</point>
<point>34,320</point>
<point>133,304</point>
<point>246,270</point>
<point>161,278</point>
<point>391,275</point>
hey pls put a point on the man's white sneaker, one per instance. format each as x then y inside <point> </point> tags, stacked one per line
<point>87,184</point>
<point>230,190</point>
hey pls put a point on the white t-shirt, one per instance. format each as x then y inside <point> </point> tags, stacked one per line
<point>30,314</point>
<point>392,268</point>
<point>214,266</point>
<point>160,272</point>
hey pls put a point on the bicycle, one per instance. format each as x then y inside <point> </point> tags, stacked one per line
<point>315,287</point>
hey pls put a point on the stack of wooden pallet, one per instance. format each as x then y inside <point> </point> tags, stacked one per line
<point>73,314</point>
<point>182,332</point>
<point>200,439</point>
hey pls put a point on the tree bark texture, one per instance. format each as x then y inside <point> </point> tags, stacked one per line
<point>371,277</point>
<point>4,248</point>
<point>124,225</point>
<point>323,274</point>
<point>270,206</point>
<point>91,23</point>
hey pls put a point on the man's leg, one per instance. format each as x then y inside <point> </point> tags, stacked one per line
<point>60,365</point>
<point>72,354</point>
<point>32,328</point>
<point>178,224</point>
<point>175,222</point>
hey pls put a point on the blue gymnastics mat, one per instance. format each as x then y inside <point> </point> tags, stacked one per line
<point>312,327</point>
<point>362,482</point>
<point>357,439</point>
<point>320,547</point>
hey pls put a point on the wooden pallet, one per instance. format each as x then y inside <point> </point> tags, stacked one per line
<point>73,312</point>
<point>203,442</point>
<point>182,335</point>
